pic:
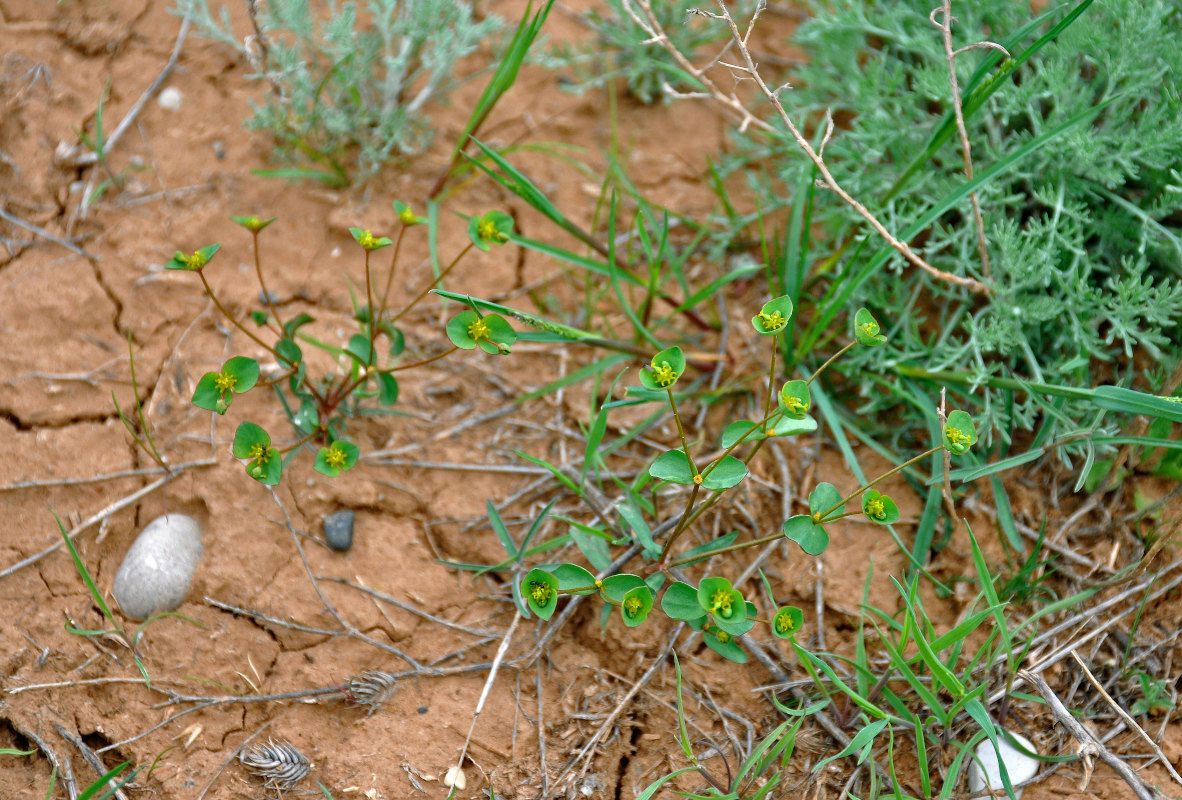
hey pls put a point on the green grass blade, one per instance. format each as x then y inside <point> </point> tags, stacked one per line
<point>85,573</point>
<point>974,94</point>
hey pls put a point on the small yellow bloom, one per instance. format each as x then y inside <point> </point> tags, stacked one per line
<point>773,320</point>
<point>784,622</point>
<point>875,508</point>
<point>795,404</point>
<point>663,374</point>
<point>335,457</point>
<point>487,229</point>
<point>870,328</point>
<point>632,606</point>
<point>367,240</point>
<point>957,437</point>
<point>722,636</point>
<point>407,215</point>
<point>541,593</point>
<point>197,260</point>
<point>720,603</point>
<point>478,330</point>
<point>259,453</point>
<point>225,382</point>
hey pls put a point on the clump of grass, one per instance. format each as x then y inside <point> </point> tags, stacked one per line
<point>348,91</point>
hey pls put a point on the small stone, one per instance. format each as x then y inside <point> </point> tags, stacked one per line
<point>268,297</point>
<point>156,572</point>
<point>170,99</point>
<point>422,709</point>
<point>338,530</point>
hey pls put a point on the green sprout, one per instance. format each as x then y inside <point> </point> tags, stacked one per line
<point>368,241</point>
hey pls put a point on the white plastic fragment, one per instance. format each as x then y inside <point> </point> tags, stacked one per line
<point>984,774</point>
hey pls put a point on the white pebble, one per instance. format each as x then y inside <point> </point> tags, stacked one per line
<point>170,98</point>
<point>986,776</point>
<point>455,777</point>
<point>156,572</point>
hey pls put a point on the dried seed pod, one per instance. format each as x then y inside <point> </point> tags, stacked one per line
<point>279,764</point>
<point>370,689</point>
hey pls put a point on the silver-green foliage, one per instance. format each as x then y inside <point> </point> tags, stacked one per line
<point>618,48</point>
<point>347,85</point>
<point>1084,234</point>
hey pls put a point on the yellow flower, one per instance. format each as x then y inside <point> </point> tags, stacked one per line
<point>335,457</point>
<point>258,452</point>
<point>773,320</point>
<point>720,603</point>
<point>225,382</point>
<point>875,508</point>
<point>632,606</point>
<point>663,374</point>
<point>478,330</point>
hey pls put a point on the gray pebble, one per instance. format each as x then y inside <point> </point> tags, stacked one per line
<point>156,572</point>
<point>338,530</point>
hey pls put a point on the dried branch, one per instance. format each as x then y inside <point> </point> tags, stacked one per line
<point>731,102</point>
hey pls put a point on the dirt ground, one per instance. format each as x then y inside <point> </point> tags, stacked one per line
<point>595,709</point>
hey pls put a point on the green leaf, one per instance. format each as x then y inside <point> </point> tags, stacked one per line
<point>247,437</point>
<point>825,500</point>
<point>672,466</point>
<point>498,336</point>
<point>666,367</point>
<point>866,329</point>
<point>811,536</point>
<point>725,473</point>
<point>289,352</point>
<point>359,348</point>
<point>774,316</point>
<point>572,576</point>
<point>787,621</point>
<point>295,323</point>
<point>244,371</point>
<point>959,433</point>
<point>387,389</point>
<point>636,604</point>
<point>795,399</point>
<point>540,590</point>
<point>879,508</point>
<point>458,329</point>
<point>723,644</point>
<point>338,457</point>
<point>680,601</point>
<point>616,586</point>
<point>208,396</point>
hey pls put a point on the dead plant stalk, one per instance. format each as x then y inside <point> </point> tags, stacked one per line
<point>734,105</point>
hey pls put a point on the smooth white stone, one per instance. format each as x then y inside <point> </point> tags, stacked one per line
<point>156,572</point>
